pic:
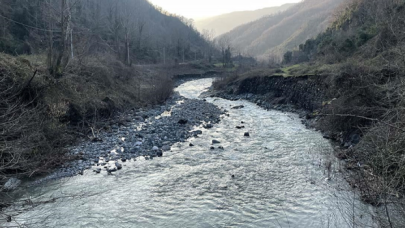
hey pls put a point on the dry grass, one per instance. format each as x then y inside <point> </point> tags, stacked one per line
<point>29,137</point>
<point>37,119</point>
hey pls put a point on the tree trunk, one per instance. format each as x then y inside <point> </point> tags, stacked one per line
<point>127,48</point>
<point>57,67</point>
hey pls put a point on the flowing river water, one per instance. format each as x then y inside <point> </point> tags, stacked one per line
<point>274,178</point>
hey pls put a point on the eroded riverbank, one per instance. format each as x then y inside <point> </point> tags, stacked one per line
<point>274,178</point>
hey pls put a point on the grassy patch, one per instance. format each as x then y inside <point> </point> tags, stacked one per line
<point>299,70</point>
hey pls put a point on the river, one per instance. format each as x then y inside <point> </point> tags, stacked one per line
<point>274,178</point>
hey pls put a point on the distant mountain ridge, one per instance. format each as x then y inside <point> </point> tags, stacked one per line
<point>226,22</point>
<point>275,34</point>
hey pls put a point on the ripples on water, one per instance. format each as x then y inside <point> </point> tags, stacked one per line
<point>274,178</point>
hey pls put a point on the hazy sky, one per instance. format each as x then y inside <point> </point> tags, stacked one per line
<point>204,8</point>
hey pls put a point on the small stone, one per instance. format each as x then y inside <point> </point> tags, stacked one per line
<point>208,126</point>
<point>240,127</point>
<point>111,169</point>
<point>197,132</point>
<point>98,170</point>
<point>96,139</point>
<point>155,148</point>
<point>118,165</point>
<point>183,121</point>
<point>246,134</point>
<point>212,148</point>
<point>215,141</point>
<point>159,153</point>
<point>191,144</point>
<point>138,118</point>
<point>238,107</point>
<point>221,147</point>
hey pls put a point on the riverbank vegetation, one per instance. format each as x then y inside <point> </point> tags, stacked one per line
<point>364,48</point>
<point>67,65</point>
<point>361,60</point>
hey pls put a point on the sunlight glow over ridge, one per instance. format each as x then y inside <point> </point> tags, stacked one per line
<point>197,9</point>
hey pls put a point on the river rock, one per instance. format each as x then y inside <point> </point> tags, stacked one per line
<point>166,148</point>
<point>182,121</point>
<point>138,118</point>
<point>208,126</point>
<point>246,134</point>
<point>159,153</point>
<point>215,141</point>
<point>111,169</point>
<point>155,148</point>
<point>238,107</point>
<point>12,184</point>
<point>197,132</point>
<point>118,165</point>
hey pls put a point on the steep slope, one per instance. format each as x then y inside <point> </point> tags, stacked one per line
<point>275,34</point>
<point>102,25</point>
<point>226,22</point>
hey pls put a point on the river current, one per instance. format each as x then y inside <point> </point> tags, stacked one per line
<point>274,178</point>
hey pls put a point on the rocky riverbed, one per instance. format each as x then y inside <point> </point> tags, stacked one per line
<point>265,168</point>
<point>141,133</point>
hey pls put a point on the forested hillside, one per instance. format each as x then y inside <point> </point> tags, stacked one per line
<point>226,22</point>
<point>133,30</point>
<point>273,35</point>
<point>369,31</point>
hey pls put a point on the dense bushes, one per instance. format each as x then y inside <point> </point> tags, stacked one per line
<point>40,115</point>
<point>29,137</point>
